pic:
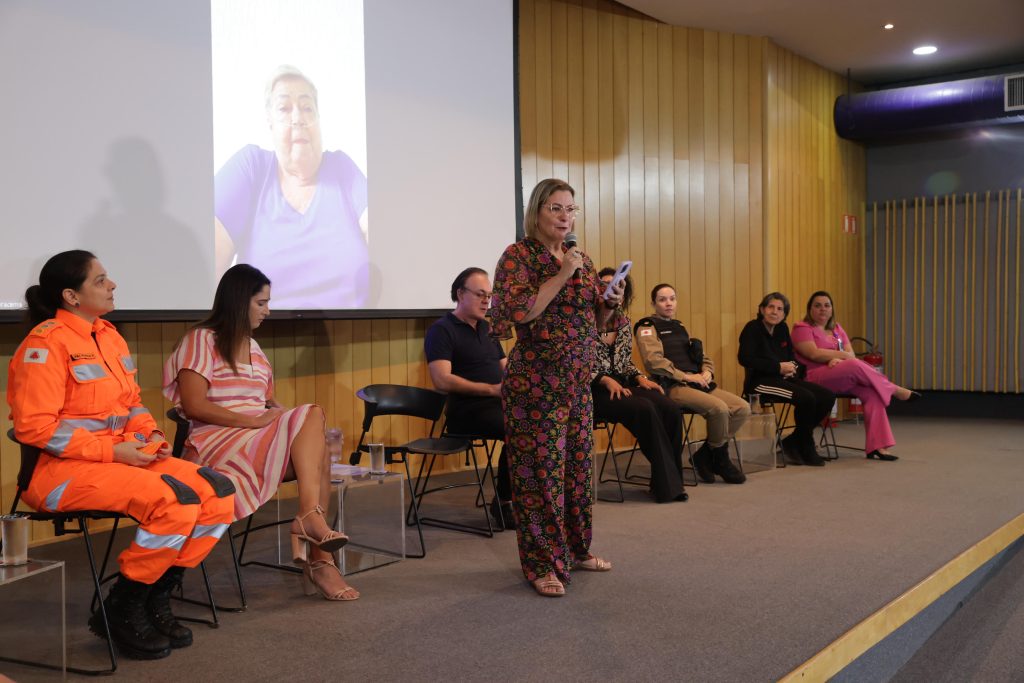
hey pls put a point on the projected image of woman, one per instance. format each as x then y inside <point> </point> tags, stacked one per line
<point>298,211</point>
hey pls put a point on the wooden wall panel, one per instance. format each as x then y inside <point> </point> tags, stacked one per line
<point>715,164</point>
<point>813,179</point>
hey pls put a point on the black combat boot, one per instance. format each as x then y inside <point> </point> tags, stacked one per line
<point>131,631</point>
<point>159,608</point>
<point>723,467</point>
<point>702,464</point>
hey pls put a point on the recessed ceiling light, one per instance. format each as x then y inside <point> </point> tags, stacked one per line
<point>925,50</point>
<point>888,27</point>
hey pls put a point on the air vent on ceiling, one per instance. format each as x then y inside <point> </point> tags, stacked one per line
<point>1014,91</point>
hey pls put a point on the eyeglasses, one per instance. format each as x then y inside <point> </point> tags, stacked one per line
<point>284,112</point>
<point>484,296</point>
<point>571,210</point>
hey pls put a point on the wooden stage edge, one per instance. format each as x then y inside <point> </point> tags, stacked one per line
<point>875,628</point>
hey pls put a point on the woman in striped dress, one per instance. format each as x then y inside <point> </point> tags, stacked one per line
<point>219,378</point>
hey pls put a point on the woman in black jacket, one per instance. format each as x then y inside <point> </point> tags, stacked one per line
<point>766,353</point>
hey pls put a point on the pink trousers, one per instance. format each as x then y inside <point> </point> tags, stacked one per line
<point>857,378</point>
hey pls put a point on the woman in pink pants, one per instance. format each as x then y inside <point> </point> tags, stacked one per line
<point>824,347</point>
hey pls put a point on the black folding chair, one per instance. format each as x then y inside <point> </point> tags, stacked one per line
<point>611,452</point>
<point>489,445</point>
<point>828,436</point>
<point>397,399</point>
<point>181,430</point>
<point>685,414</point>
<point>81,518</point>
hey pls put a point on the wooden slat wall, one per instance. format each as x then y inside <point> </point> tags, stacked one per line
<point>813,179</point>
<point>659,129</point>
<point>708,158</point>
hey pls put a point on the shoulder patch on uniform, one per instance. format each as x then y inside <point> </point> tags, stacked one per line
<point>642,322</point>
<point>45,328</point>
<point>34,355</point>
<point>647,331</point>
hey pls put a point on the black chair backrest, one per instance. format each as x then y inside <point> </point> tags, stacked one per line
<point>398,399</point>
<point>181,429</point>
<point>29,458</point>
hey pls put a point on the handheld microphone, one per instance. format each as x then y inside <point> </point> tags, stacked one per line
<point>571,241</point>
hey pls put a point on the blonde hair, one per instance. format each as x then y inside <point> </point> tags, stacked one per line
<point>540,194</point>
<point>286,71</point>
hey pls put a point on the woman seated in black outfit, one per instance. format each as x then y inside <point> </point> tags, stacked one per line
<point>624,396</point>
<point>766,352</point>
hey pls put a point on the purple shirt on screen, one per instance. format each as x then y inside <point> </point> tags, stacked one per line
<point>318,259</point>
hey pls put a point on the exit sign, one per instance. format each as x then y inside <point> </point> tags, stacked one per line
<point>850,224</point>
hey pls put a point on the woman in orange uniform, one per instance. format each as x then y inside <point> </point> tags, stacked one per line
<point>73,395</point>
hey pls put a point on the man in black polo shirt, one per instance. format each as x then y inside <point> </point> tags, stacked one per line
<point>468,365</point>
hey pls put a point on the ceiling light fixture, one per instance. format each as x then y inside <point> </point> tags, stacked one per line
<point>888,27</point>
<point>925,50</point>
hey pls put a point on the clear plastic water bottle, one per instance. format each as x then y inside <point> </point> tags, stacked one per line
<point>335,442</point>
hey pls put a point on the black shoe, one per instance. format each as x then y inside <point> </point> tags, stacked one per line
<point>888,457</point>
<point>131,630</point>
<point>812,459</point>
<point>702,464</point>
<point>682,497</point>
<point>502,515</point>
<point>791,450</point>
<point>914,395</point>
<point>723,467</point>
<point>158,606</point>
<point>808,452</point>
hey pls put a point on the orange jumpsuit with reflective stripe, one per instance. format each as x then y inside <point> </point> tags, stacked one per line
<point>73,394</point>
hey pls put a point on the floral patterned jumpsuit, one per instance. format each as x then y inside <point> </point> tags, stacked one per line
<point>548,406</point>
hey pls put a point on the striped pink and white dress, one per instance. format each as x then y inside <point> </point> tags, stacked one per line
<point>254,459</point>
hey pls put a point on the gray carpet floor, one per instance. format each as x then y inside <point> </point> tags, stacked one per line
<point>741,583</point>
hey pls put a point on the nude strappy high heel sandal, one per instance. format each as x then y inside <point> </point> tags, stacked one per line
<point>332,540</point>
<point>311,586</point>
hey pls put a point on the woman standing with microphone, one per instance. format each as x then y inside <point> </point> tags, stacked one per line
<point>547,289</point>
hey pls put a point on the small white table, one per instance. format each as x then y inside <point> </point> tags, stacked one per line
<point>23,641</point>
<point>756,443</point>
<point>371,511</point>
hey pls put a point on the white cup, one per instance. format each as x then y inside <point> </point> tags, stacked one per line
<point>377,464</point>
<point>15,539</point>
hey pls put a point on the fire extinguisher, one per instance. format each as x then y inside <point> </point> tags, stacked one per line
<point>873,357</point>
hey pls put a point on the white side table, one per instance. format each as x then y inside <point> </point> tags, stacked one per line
<point>756,443</point>
<point>23,641</point>
<point>371,510</point>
